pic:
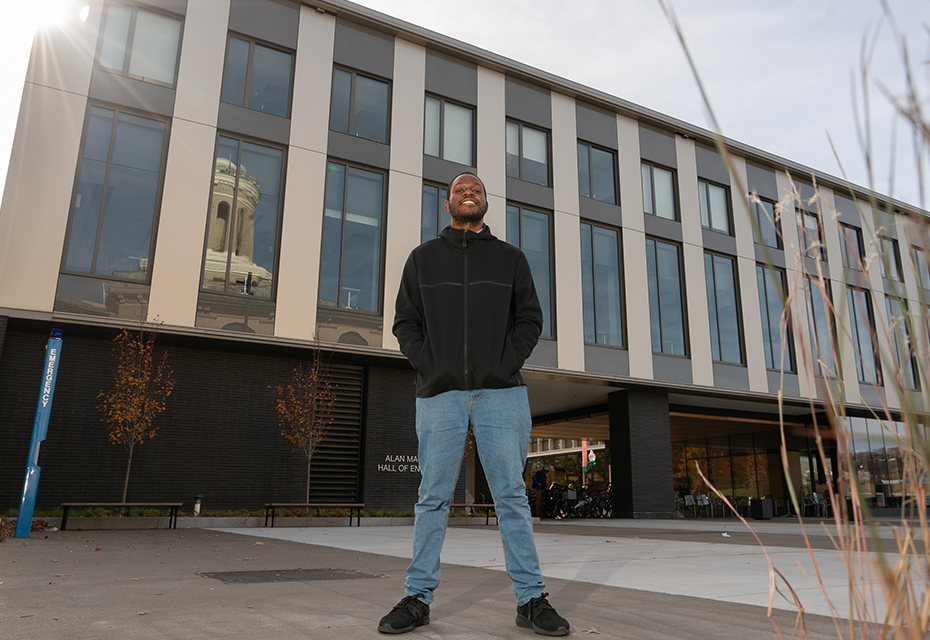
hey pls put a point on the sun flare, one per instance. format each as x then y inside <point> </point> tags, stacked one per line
<point>50,13</point>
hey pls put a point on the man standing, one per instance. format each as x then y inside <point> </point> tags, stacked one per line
<point>467,317</point>
<point>540,484</point>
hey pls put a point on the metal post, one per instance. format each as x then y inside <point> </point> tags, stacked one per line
<point>39,430</point>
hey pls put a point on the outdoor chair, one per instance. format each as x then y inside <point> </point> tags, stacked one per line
<point>823,505</point>
<point>703,504</point>
<point>690,505</point>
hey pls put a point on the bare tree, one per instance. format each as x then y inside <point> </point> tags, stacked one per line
<point>142,384</point>
<point>305,407</point>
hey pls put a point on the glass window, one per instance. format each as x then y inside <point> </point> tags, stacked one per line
<point>529,230</point>
<point>264,70</point>
<point>923,267</point>
<point>811,235</point>
<point>601,285</point>
<point>763,214</point>
<point>715,210</point>
<point>659,191</point>
<point>449,131</point>
<point>821,325</point>
<point>890,259</point>
<point>245,212</point>
<point>723,309</point>
<point>527,153</point>
<point>435,218</point>
<point>858,430</point>
<point>901,342</point>
<point>772,292</point>
<point>350,269</point>
<point>853,253</point>
<point>113,220</point>
<point>360,105</point>
<point>860,320</point>
<point>140,43</point>
<point>666,310</point>
<point>596,173</point>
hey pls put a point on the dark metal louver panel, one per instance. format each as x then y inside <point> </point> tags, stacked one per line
<point>335,470</point>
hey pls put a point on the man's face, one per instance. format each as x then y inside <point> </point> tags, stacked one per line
<point>467,201</point>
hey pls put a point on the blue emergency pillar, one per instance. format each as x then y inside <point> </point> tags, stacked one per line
<point>39,428</point>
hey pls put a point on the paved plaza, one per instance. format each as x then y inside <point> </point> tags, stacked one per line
<point>610,578</point>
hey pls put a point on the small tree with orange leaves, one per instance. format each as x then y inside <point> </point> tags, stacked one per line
<point>305,407</point>
<point>141,385</point>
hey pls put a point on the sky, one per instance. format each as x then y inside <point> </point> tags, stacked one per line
<point>784,76</point>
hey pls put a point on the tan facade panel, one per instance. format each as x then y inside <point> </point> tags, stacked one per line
<point>179,246</point>
<point>407,107</point>
<point>403,226</point>
<point>63,54</point>
<point>301,241</point>
<point>313,80</point>
<point>37,199</point>
<point>203,54</point>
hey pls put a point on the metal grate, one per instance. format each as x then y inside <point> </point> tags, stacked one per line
<point>287,575</point>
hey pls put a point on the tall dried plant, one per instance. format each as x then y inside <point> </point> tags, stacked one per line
<point>305,407</point>
<point>141,385</point>
<point>888,590</point>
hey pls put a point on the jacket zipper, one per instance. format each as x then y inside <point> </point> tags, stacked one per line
<point>465,289</point>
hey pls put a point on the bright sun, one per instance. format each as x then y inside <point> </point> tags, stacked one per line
<point>48,13</point>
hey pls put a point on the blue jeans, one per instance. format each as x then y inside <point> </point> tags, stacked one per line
<point>501,422</point>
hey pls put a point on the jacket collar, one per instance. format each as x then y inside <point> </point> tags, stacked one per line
<point>459,237</point>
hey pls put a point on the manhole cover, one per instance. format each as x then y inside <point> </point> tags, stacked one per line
<point>287,575</point>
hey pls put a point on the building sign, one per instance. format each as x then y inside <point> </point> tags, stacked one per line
<point>400,464</point>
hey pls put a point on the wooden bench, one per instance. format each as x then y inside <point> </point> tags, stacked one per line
<point>476,507</point>
<point>355,507</point>
<point>126,506</point>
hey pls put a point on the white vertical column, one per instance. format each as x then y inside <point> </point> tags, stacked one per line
<point>178,259</point>
<point>702,365</point>
<point>406,182</point>
<point>569,311</point>
<point>313,81</point>
<point>45,151</point>
<point>912,234</point>
<point>638,328</point>
<point>302,224</point>
<point>178,262</point>
<point>883,343</point>
<point>748,285</point>
<point>63,53</point>
<point>200,72</point>
<point>796,284</point>
<point>492,163</point>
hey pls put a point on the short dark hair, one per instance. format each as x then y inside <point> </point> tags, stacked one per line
<point>465,173</point>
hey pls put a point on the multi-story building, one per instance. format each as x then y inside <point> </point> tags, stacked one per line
<point>253,174</point>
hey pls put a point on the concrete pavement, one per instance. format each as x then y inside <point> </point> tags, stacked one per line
<point>612,579</point>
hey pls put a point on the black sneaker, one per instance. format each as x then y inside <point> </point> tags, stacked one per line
<point>409,614</point>
<point>538,615</point>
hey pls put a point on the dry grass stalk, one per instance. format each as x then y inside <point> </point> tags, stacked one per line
<point>888,590</point>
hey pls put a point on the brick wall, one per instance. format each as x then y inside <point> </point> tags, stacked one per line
<point>391,441</point>
<point>3,323</point>
<point>640,454</point>
<point>219,435</point>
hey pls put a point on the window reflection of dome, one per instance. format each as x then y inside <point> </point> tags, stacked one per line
<point>232,183</point>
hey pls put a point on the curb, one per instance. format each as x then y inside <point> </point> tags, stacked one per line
<point>114,523</point>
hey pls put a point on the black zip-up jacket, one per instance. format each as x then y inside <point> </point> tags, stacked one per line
<point>467,316</point>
